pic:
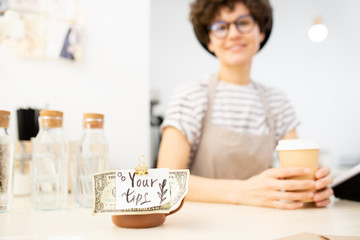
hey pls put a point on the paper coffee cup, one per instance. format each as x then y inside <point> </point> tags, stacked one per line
<point>300,153</point>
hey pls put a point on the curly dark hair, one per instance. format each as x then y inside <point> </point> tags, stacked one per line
<point>203,13</point>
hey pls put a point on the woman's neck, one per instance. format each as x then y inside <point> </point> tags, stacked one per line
<point>235,74</point>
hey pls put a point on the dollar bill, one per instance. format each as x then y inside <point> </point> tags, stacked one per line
<point>104,189</point>
<point>178,180</point>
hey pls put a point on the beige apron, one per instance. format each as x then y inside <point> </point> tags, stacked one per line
<point>228,154</point>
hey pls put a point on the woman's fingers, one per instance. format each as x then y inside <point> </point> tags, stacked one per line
<point>323,194</point>
<point>324,182</point>
<point>287,172</point>
<point>291,184</point>
<point>323,203</point>
<point>322,172</point>
<point>292,196</point>
<point>282,192</point>
<point>286,205</point>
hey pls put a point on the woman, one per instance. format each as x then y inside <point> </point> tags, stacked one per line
<point>225,127</point>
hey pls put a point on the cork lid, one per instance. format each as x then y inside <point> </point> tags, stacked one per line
<point>4,118</point>
<point>51,113</point>
<point>51,119</point>
<point>93,120</point>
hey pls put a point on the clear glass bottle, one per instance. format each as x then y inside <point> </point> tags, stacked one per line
<point>50,166</point>
<point>6,163</point>
<point>93,157</point>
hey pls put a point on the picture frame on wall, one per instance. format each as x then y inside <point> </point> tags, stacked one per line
<point>33,6</point>
<point>66,10</point>
<point>63,40</point>
<point>25,35</point>
<point>3,6</point>
<point>64,29</point>
<point>45,29</point>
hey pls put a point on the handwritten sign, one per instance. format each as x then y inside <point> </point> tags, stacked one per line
<point>142,191</point>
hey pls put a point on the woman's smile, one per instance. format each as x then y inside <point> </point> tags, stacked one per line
<point>236,47</point>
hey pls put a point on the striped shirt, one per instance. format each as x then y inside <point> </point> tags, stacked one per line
<point>236,107</point>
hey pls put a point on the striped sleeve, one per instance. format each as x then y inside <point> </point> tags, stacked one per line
<point>186,110</point>
<point>283,113</point>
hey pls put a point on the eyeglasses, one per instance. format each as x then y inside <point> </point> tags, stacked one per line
<point>244,24</point>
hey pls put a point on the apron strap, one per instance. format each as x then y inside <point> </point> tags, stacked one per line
<point>211,93</point>
<point>211,89</point>
<point>269,117</point>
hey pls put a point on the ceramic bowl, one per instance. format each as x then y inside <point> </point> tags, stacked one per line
<point>142,221</point>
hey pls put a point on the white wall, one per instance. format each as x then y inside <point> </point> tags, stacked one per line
<point>321,80</point>
<point>112,79</point>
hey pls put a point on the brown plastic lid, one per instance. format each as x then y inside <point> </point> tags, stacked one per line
<point>93,120</point>
<point>51,118</point>
<point>4,118</point>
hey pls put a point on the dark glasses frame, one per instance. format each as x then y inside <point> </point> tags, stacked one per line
<point>213,28</point>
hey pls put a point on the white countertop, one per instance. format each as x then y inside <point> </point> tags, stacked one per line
<point>194,221</point>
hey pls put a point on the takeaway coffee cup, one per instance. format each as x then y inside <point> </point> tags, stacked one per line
<point>300,153</point>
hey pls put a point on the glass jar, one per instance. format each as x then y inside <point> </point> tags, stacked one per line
<point>93,157</point>
<point>22,168</point>
<point>6,163</point>
<point>50,167</point>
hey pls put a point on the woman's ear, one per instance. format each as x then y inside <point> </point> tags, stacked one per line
<point>262,37</point>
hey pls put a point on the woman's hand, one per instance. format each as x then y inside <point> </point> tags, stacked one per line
<point>323,180</point>
<point>271,189</point>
